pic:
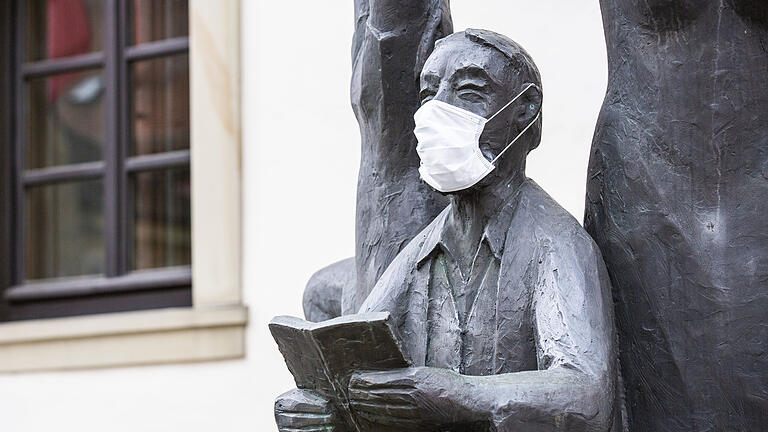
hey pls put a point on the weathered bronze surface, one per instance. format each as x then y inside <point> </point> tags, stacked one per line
<point>677,201</point>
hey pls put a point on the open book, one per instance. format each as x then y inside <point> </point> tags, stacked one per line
<point>322,356</point>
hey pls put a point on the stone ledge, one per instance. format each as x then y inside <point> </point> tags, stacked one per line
<point>124,339</point>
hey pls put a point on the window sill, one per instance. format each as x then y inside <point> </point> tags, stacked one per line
<point>124,339</point>
<point>85,286</point>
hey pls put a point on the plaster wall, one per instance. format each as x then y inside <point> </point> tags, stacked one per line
<point>299,158</point>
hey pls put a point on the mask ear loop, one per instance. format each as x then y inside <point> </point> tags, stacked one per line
<point>523,131</point>
<point>511,102</point>
<point>517,138</point>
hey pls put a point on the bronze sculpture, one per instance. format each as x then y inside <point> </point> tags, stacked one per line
<point>502,303</point>
<point>677,200</point>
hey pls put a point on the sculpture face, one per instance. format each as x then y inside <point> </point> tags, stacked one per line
<point>465,74</point>
<point>482,80</point>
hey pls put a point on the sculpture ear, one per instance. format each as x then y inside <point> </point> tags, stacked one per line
<point>530,104</point>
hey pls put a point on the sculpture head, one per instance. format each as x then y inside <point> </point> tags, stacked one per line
<point>481,71</point>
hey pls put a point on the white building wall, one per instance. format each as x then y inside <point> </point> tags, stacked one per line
<point>300,157</point>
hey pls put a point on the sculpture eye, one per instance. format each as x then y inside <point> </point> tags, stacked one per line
<point>471,96</point>
<point>471,92</point>
<point>426,95</point>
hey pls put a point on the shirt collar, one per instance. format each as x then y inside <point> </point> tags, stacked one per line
<point>495,233</point>
<point>434,235</point>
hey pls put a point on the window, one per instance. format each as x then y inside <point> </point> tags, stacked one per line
<point>96,157</point>
<point>213,327</point>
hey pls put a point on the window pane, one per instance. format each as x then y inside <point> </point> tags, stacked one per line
<point>64,230</point>
<point>157,19</point>
<point>63,28</point>
<point>160,105</point>
<point>64,119</point>
<point>161,219</point>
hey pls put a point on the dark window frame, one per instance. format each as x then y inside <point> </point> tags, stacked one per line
<point>117,289</point>
<point>6,137</point>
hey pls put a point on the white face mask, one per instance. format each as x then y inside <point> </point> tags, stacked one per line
<point>449,145</point>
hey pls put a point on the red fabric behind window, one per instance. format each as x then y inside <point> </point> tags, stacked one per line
<point>69,34</point>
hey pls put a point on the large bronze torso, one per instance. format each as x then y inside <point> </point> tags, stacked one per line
<point>678,202</point>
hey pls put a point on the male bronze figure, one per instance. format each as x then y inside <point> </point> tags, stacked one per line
<point>502,302</point>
